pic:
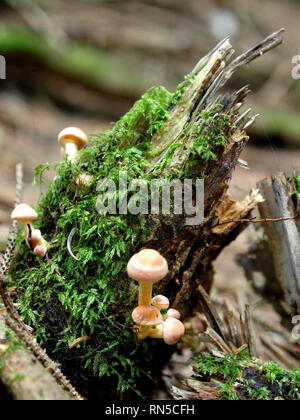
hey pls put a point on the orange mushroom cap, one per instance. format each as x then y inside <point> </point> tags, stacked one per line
<point>147,316</point>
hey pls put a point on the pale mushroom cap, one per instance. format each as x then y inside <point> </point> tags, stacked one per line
<point>160,302</point>
<point>173,313</point>
<point>146,315</point>
<point>84,180</point>
<point>24,213</point>
<point>72,135</point>
<point>40,251</point>
<point>147,266</point>
<point>173,330</point>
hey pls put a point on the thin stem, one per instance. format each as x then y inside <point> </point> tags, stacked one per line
<point>145,293</point>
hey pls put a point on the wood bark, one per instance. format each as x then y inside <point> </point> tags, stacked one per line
<point>283,236</point>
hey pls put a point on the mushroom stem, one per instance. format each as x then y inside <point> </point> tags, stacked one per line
<point>28,228</point>
<point>157,332</point>
<point>144,332</point>
<point>71,150</point>
<point>145,293</point>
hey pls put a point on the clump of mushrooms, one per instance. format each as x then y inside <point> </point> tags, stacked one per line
<point>33,237</point>
<point>148,267</point>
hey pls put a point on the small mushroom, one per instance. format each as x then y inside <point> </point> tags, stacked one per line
<point>173,313</point>
<point>147,267</point>
<point>83,183</point>
<point>40,251</point>
<point>173,331</point>
<point>146,317</point>
<point>39,245</point>
<point>160,302</point>
<point>25,215</point>
<point>71,139</point>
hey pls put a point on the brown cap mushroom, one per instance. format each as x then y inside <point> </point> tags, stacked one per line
<point>147,267</point>
<point>72,139</point>
<point>173,330</point>
<point>160,302</point>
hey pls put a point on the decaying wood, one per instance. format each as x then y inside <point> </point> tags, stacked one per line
<point>283,237</point>
<point>194,248</point>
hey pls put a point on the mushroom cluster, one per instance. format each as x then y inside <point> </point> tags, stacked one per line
<point>148,267</point>
<point>33,237</point>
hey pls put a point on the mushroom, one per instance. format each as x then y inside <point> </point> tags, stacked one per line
<point>146,317</point>
<point>147,267</point>
<point>40,251</point>
<point>171,331</point>
<point>173,313</point>
<point>39,245</point>
<point>160,302</point>
<point>25,215</point>
<point>71,139</point>
<point>83,183</point>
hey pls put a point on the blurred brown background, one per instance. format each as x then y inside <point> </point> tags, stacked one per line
<point>84,62</point>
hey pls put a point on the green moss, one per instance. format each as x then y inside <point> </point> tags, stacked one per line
<point>239,375</point>
<point>209,135</point>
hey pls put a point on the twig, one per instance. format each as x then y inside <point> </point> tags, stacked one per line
<point>255,220</point>
<point>13,231</point>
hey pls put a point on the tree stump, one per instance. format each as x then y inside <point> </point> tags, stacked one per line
<point>191,134</point>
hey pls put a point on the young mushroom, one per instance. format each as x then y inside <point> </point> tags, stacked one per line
<point>72,139</point>
<point>39,245</point>
<point>25,215</point>
<point>83,184</point>
<point>171,331</point>
<point>146,317</point>
<point>173,313</point>
<point>160,302</point>
<point>147,267</point>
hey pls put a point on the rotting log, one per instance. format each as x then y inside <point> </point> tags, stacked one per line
<point>196,134</point>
